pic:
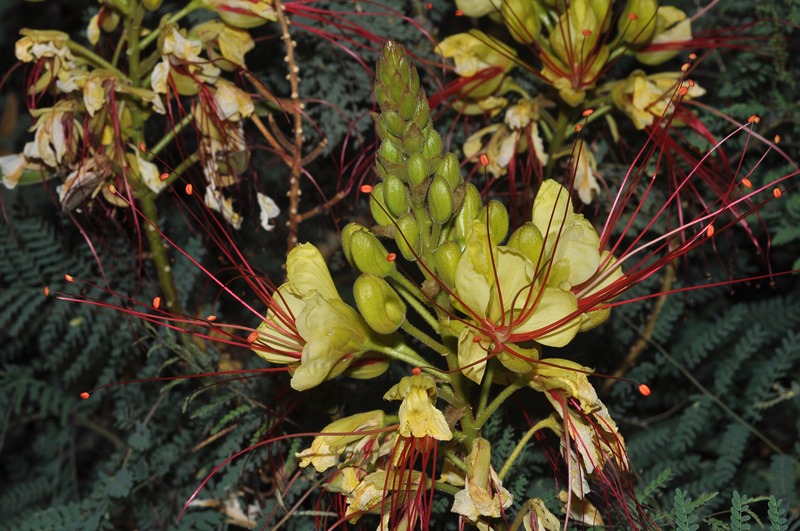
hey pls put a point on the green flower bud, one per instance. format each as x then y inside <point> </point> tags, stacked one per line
<point>395,196</point>
<point>593,319</point>
<point>528,240</point>
<point>450,170</point>
<point>447,256</point>
<point>498,220</point>
<point>432,148</point>
<point>379,304</point>
<point>422,114</point>
<point>381,95</point>
<point>369,254</point>
<point>522,362</point>
<point>151,5</point>
<point>391,154</point>
<point>440,200</point>
<point>408,105</point>
<point>413,81</point>
<point>637,23</point>
<point>383,72</point>
<point>407,237</point>
<point>110,21</point>
<point>417,168</point>
<point>393,122</point>
<point>469,209</point>
<point>396,89</point>
<point>368,367</point>
<point>347,234</point>
<point>378,208</point>
<point>522,20</point>
<point>412,139</point>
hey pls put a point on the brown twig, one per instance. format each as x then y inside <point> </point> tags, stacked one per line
<point>644,339</point>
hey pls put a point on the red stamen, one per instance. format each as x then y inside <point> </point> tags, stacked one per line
<point>366,188</point>
<point>69,278</point>
<point>587,112</point>
<point>46,291</point>
<point>391,257</point>
<point>710,231</point>
<point>753,119</point>
<point>685,67</point>
<point>156,302</point>
<point>747,184</point>
<point>692,56</point>
<point>690,82</point>
<point>252,337</point>
<point>578,128</point>
<point>777,193</point>
<point>84,395</point>
<point>633,16</point>
<point>644,389</point>
<point>142,147</point>
<point>683,91</point>
<point>484,159</point>
<point>164,176</point>
<point>189,189</point>
<point>586,32</point>
<point>211,318</point>
<point>416,370</point>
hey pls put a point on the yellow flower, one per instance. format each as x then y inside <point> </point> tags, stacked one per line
<point>483,493</point>
<point>418,414</point>
<point>474,53</point>
<point>647,98</point>
<point>243,14</point>
<point>231,102</point>
<point>673,27</point>
<point>268,210</point>
<point>326,449</point>
<point>11,168</point>
<point>50,142</point>
<point>308,315</point>
<point>216,201</point>
<point>371,493</point>
<point>585,168</point>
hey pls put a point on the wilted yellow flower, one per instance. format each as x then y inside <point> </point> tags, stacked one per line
<point>672,27</point>
<point>216,201</point>
<point>326,449</point>
<point>232,103</point>
<point>647,98</point>
<point>418,414</point>
<point>268,210</point>
<point>483,493</point>
<point>243,14</point>
<point>11,168</point>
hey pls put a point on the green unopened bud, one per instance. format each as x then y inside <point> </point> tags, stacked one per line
<point>110,21</point>
<point>378,208</point>
<point>528,240</point>
<point>479,461</point>
<point>381,95</point>
<point>393,122</point>
<point>413,139</point>
<point>407,237</point>
<point>521,361</point>
<point>395,196</point>
<point>408,105</point>
<point>440,200</point>
<point>347,234</point>
<point>396,89</point>
<point>593,319</point>
<point>469,209</point>
<point>432,149</point>
<point>417,168</point>
<point>637,24</point>
<point>450,170</point>
<point>522,20</point>
<point>368,367</point>
<point>369,254</point>
<point>379,304</point>
<point>151,5</point>
<point>447,257</point>
<point>422,114</point>
<point>498,220</point>
<point>390,154</point>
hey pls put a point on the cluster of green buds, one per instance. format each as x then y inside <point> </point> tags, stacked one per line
<point>576,46</point>
<point>484,307</point>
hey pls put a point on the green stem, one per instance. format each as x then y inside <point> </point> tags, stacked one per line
<point>486,385</point>
<point>86,53</point>
<point>414,297</point>
<point>188,161</point>
<point>510,389</point>
<point>406,354</point>
<point>427,340</point>
<point>453,458</point>
<point>166,139</point>
<point>559,135</point>
<point>191,6</point>
<point>546,423</point>
<point>158,250</point>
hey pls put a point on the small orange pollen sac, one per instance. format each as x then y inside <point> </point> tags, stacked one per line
<point>578,128</point>
<point>69,278</point>
<point>112,189</point>
<point>459,13</point>
<point>746,183</point>
<point>142,147</point>
<point>391,257</point>
<point>753,119</point>
<point>587,112</point>
<point>586,33</point>
<point>416,370</point>
<point>189,189</point>
<point>366,188</point>
<point>84,395</point>
<point>683,91</point>
<point>157,303</point>
<point>692,56</point>
<point>776,193</point>
<point>633,16</point>
<point>685,67</point>
<point>163,177</point>
<point>710,231</point>
<point>484,159</point>
<point>252,337</point>
<point>429,5</point>
<point>211,318</point>
<point>776,139</point>
<point>644,389</point>
<point>46,291</point>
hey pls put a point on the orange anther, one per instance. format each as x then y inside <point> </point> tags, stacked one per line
<point>692,56</point>
<point>484,159</point>
<point>429,5</point>
<point>746,182</point>
<point>142,147</point>
<point>391,257</point>
<point>46,291</point>
<point>164,176</point>
<point>459,13</point>
<point>586,32</point>
<point>690,82</point>
<point>416,370</point>
<point>633,16</point>
<point>753,119</point>
<point>252,337</point>
<point>366,188</point>
<point>578,128</point>
<point>587,112</point>
<point>84,395</point>
<point>156,302</point>
<point>189,189</point>
<point>710,231</point>
<point>476,339</point>
<point>685,67</point>
<point>776,139</point>
<point>776,193</point>
<point>69,278</point>
<point>112,188</point>
<point>683,91</point>
<point>644,389</point>
<point>211,318</point>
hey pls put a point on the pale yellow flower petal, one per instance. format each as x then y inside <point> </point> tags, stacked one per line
<point>11,168</point>
<point>268,210</point>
